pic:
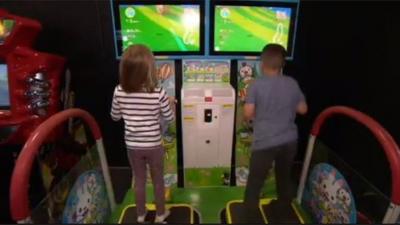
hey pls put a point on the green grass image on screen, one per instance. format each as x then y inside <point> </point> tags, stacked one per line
<point>163,28</point>
<point>250,28</point>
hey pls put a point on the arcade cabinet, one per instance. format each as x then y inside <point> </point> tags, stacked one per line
<point>29,88</point>
<point>207,124</point>
<point>174,31</point>
<point>30,80</point>
<point>209,151</point>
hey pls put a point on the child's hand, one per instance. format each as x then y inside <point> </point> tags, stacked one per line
<point>172,102</point>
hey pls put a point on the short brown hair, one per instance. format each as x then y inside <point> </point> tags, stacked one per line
<point>273,56</point>
<point>137,70</point>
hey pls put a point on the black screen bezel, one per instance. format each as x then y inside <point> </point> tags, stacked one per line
<point>117,24</point>
<point>214,3</point>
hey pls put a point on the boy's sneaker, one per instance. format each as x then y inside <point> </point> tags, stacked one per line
<point>142,218</point>
<point>162,218</point>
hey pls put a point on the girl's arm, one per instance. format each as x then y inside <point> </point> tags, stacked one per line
<point>165,106</point>
<point>115,108</point>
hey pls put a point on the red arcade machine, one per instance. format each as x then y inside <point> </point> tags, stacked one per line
<point>29,92</point>
<point>29,80</point>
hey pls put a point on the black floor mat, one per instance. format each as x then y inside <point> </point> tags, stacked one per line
<point>237,214</point>
<point>275,216</point>
<point>179,215</point>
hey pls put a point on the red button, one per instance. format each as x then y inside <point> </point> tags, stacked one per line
<point>208,99</point>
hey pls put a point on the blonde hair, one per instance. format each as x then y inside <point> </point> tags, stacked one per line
<point>137,71</point>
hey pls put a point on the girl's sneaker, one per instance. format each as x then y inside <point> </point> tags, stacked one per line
<point>162,218</point>
<point>142,218</point>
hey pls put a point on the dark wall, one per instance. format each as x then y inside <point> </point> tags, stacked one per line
<point>346,54</point>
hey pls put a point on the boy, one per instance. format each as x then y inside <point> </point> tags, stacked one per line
<point>272,103</point>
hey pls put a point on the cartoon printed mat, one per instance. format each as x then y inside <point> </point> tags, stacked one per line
<point>88,201</point>
<point>328,197</point>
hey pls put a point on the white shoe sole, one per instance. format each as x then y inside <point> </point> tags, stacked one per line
<point>165,216</point>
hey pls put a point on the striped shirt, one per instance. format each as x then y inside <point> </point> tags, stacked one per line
<point>141,112</point>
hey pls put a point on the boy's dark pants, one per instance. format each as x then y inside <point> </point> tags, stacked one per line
<point>260,164</point>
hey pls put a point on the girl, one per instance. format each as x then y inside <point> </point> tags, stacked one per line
<point>141,103</point>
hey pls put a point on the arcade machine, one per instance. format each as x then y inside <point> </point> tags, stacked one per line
<point>208,110</point>
<point>213,48</point>
<point>174,31</point>
<point>170,30</point>
<point>29,84</point>
<point>199,46</point>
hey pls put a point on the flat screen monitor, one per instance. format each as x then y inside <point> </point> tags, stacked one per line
<point>166,27</point>
<point>245,27</point>
<point>4,90</point>
<point>6,27</point>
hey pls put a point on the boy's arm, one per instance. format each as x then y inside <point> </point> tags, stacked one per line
<point>302,107</point>
<point>249,111</point>
<point>165,106</point>
<point>115,108</point>
<point>250,103</point>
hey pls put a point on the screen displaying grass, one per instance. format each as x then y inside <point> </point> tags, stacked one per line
<point>250,28</point>
<point>163,28</point>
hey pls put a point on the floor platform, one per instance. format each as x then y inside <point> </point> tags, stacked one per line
<point>234,213</point>
<point>275,216</point>
<point>180,214</point>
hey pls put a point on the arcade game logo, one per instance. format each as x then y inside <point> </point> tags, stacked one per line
<point>200,71</point>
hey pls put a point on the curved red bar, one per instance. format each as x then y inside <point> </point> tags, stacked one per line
<point>390,147</point>
<point>19,200</point>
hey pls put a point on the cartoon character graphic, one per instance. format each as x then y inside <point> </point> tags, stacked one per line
<point>344,197</point>
<point>246,76</point>
<point>82,211</point>
<point>241,175</point>
<point>281,15</point>
<point>225,178</point>
<point>328,196</point>
<point>246,72</point>
<point>328,187</point>
<point>87,200</point>
<point>162,9</point>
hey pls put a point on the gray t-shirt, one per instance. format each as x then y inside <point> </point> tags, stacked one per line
<point>276,99</point>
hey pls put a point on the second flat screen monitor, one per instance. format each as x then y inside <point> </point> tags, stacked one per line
<point>246,29</point>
